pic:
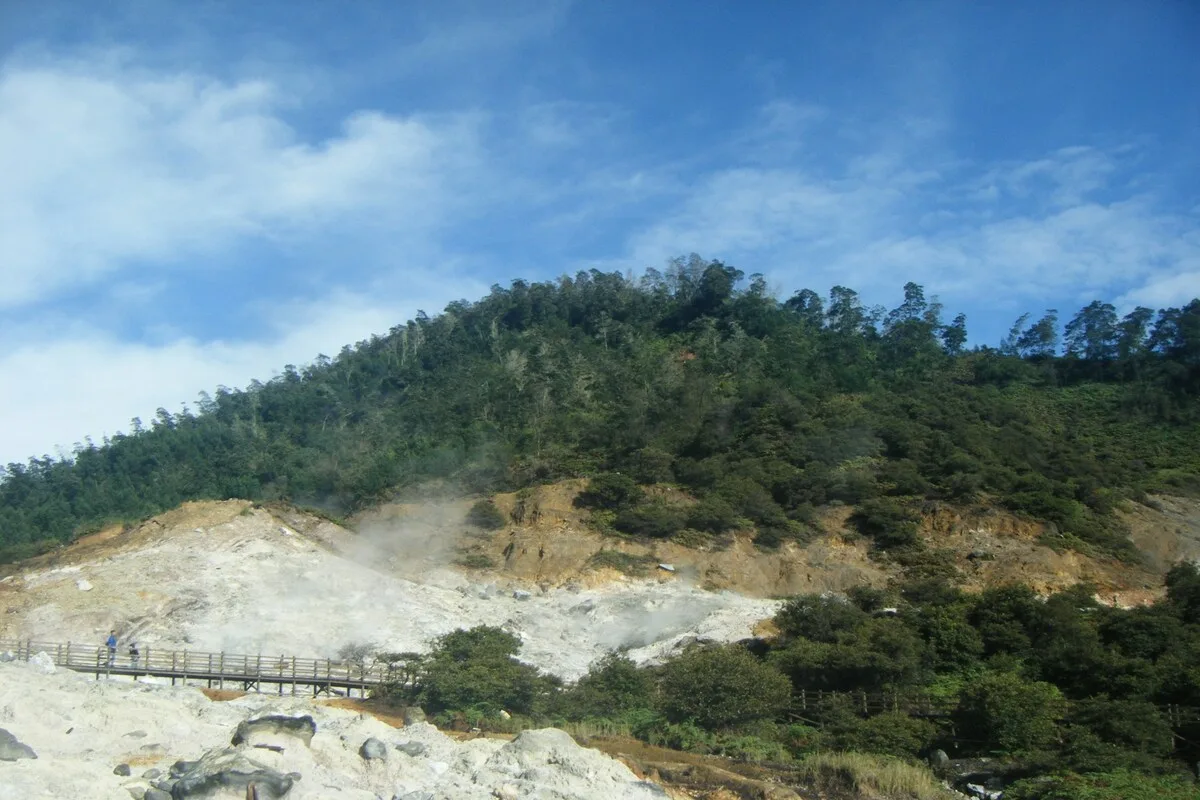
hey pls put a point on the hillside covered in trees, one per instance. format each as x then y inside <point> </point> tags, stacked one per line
<point>762,409</point>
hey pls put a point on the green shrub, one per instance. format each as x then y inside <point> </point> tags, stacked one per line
<point>712,514</point>
<point>1005,712</point>
<point>477,669</point>
<point>893,733</point>
<point>475,561</point>
<point>485,515</point>
<point>818,617</point>
<point>626,563</point>
<point>610,490</point>
<point>1115,785</point>
<point>653,519</point>
<point>869,775</point>
<point>721,686</point>
<point>613,686</point>
<point>888,523</point>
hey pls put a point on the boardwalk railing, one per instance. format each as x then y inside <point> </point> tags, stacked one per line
<point>260,672</point>
<point>217,670</point>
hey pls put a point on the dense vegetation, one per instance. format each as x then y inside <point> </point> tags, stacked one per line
<point>1070,695</point>
<point>762,409</point>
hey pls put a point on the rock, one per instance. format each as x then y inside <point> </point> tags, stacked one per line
<point>504,714</point>
<point>667,567</point>
<point>414,749</point>
<point>413,715</point>
<point>231,769</point>
<point>506,792</point>
<point>273,726</point>
<point>413,796</point>
<point>373,749</point>
<point>44,663</point>
<point>7,656</point>
<point>152,773</point>
<point>136,735</point>
<point>163,786</point>
<point>521,594</point>
<point>83,585</point>
<point>939,760</point>
<point>123,770</point>
<point>13,750</point>
<point>180,767</point>
<point>156,794</point>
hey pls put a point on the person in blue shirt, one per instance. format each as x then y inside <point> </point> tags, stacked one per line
<point>112,648</point>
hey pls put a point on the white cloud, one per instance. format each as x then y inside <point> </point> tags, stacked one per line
<point>106,168</point>
<point>60,387</point>
<point>1061,225</point>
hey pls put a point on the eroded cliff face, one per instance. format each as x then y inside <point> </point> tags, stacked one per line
<point>230,576</point>
<point>549,541</point>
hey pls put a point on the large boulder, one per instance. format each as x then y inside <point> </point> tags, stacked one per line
<point>373,749</point>
<point>231,771</point>
<point>13,750</point>
<point>549,764</point>
<point>269,730</point>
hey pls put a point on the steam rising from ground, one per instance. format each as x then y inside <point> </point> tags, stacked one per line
<point>251,585</point>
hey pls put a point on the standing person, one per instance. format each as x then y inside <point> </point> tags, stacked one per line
<point>134,654</point>
<point>111,643</point>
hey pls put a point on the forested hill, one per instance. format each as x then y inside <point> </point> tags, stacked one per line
<point>764,409</point>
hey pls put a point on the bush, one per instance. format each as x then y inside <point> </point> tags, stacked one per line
<point>722,686</point>
<point>712,514</point>
<point>888,523</point>
<point>1116,785</point>
<point>867,775</point>
<point>654,519</point>
<point>613,686</point>
<point>625,563</point>
<point>893,732</point>
<point>817,617</point>
<point>1005,712</point>
<point>477,669</point>
<point>610,490</point>
<point>484,514</point>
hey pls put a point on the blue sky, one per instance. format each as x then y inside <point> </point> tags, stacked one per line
<point>194,194</point>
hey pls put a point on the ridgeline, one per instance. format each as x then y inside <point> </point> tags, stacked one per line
<point>763,409</point>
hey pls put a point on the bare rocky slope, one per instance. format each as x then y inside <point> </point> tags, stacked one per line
<point>112,740</point>
<point>235,577</point>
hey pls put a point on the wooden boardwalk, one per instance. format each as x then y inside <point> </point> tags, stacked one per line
<point>249,673</point>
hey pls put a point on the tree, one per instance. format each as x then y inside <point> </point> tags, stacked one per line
<point>613,686</point>
<point>1093,333</point>
<point>1005,712</point>
<point>722,686</point>
<point>820,618</point>
<point>477,669</point>
<point>954,335</point>
<point>1040,340</point>
<point>809,307</point>
<point>845,314</point>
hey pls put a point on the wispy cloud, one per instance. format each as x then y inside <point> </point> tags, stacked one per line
<point>111,169</point>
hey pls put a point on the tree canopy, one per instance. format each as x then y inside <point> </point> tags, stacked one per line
<point>763,409</point>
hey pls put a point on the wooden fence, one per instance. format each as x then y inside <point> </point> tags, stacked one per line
<point>216,670</point>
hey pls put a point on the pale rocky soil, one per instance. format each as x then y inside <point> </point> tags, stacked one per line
<point>225,577</point>
<point>81,729</point>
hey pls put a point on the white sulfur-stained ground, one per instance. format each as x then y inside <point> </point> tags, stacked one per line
<point>245,583</point>
<point>81,729</point>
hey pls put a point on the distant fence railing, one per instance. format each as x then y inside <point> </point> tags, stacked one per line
<point>248,672</point>
<point>253,672</point>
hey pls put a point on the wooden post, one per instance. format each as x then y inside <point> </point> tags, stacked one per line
<point>221,680</point>
<point>293,674</point>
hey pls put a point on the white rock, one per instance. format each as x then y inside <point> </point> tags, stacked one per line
<point>43,662</point>
<point>83,585</point>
